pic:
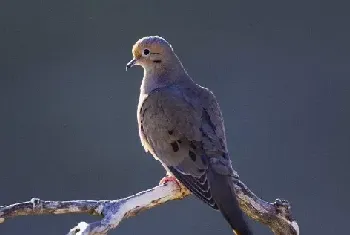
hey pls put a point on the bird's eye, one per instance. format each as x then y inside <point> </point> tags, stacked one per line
<point>145,52</point>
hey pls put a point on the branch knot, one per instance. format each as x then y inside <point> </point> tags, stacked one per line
<point>283,209</point>
<point>37,204</point>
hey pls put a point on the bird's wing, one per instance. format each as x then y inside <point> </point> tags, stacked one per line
<point>183,128</point>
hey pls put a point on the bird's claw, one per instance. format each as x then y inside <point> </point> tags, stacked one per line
<point>169,178</point>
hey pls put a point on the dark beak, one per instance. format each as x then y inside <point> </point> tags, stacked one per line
<point>130,64</point>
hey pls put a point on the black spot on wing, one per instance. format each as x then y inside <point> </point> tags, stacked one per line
<point>192,155</point>
<point>198,186</point>
<point>175,146</point>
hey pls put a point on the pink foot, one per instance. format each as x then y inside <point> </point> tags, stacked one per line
<point>169,178</point>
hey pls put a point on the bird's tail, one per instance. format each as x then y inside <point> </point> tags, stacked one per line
<point>224,195</point>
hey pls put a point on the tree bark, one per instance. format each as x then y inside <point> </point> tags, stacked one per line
<point>276,215</point>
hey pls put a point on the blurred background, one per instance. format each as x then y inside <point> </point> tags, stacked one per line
<point>280,70</point>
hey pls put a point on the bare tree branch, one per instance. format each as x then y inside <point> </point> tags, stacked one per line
<point>276,215</point>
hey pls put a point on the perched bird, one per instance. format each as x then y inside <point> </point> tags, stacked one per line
<point>181,125</point>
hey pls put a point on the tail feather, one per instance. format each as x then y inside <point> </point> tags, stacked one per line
<point>225,198</point>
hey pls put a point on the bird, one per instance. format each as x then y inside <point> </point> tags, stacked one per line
<point>181,124</point>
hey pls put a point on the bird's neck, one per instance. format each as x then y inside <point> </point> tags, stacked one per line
<point>155,78</point>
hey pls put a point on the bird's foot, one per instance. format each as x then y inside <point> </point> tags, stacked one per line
<point>169,178</point>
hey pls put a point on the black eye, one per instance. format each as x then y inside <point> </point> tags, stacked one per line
<point>146,52</point>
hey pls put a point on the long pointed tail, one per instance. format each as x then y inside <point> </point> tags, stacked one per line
<point>225,197</point>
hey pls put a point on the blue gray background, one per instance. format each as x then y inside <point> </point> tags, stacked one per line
<point>280,70</point>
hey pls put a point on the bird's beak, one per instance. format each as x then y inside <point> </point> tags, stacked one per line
<point>130,64</point>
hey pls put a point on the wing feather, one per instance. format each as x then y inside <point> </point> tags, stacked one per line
<point>178,126</point>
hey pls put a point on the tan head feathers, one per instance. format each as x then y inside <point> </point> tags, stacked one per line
<point>151,51</point>
<point>155,44</point>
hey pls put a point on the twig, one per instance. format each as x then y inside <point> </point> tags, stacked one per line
<point>276,215</point>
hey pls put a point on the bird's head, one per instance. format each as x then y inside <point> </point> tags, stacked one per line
<point>151,52</point>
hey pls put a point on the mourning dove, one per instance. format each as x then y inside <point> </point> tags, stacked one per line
<point>181,125</point>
